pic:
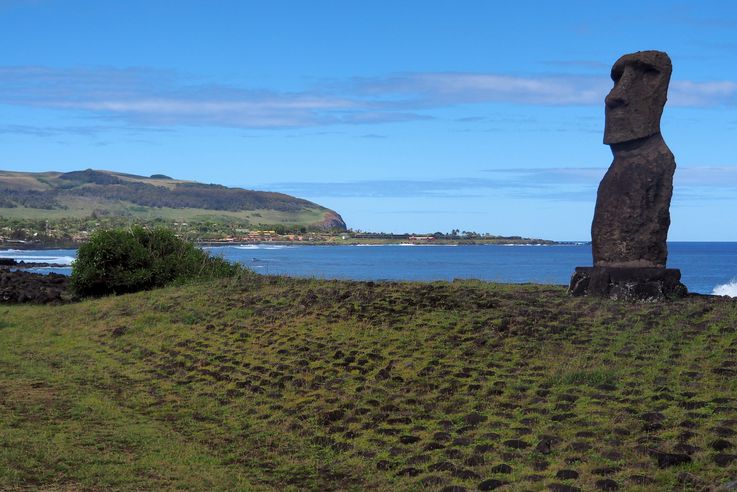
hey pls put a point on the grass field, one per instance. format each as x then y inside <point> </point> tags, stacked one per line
<point>80,208</point>
<point>280,384</point>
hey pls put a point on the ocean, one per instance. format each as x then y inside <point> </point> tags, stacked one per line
<point>707,268</point>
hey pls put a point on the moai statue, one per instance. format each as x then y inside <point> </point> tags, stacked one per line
<point>632,216</point>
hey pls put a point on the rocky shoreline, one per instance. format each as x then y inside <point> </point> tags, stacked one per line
<point>17,286</point>
<point>6,263</point>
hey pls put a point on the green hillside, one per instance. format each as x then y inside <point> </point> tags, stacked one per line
<point>287,384</point>
<point>104,194</point>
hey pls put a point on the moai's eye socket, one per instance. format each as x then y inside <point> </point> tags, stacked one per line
<point>650,75</point>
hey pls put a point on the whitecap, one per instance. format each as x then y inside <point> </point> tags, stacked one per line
<point>728,289</point>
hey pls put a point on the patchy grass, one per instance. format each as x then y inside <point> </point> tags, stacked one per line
<point>286,384</point>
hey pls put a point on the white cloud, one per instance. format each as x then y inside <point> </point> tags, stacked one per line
<point>152,97</point>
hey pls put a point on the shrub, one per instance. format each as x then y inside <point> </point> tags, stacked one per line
<point>118,261</point>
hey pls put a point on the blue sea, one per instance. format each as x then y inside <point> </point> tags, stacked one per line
<point>706,267</point>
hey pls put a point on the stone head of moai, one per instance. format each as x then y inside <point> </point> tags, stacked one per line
<point>635,104</point>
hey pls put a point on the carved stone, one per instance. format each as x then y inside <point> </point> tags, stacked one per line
<point>632,217</point>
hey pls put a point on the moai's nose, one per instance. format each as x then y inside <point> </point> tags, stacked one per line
<point>618,95</point>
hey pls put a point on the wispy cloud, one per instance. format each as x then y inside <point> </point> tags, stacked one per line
<point>586,64</point>
<point>84,130</point>
<point>521,183</point>
<point>562,183</point>
<point>139,96</point>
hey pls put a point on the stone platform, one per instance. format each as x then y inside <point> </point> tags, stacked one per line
<point>628,283</point>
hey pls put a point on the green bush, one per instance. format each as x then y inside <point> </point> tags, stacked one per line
<point>119,261</point>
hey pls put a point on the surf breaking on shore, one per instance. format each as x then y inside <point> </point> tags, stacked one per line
<point>728,289</point>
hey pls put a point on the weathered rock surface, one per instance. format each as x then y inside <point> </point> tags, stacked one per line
<point>333,221</point>
<point>25,287</point>
<point>630,284</point>
<point>12,263</point>
<point>632,214</point>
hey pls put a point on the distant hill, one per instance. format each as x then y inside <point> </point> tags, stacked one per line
<point>79,194</point>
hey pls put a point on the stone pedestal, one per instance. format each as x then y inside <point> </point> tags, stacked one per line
<point>628,283</point>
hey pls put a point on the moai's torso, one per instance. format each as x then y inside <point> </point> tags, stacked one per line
<point>632,215</point>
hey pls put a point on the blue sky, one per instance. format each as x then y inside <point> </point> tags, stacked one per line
<point>402,116</point>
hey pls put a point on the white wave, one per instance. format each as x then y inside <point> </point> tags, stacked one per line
<point>262,246</point>
<point>729,289</point>
<point>521,245</point>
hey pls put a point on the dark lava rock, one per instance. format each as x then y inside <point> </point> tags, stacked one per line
<point>666,460</point>
<point>384,465</point>
<point>453,488</point>
<point>419,459</point>
<point>119,331</point>
<point>546,445</point>
<point>567,475</point>
<point>474,419</point>
<point>491,484</point>
<point>482,448</point>
<point>333,416</point>
<point>612,455</point>
<point>606,484</point>
<point>475,460</point>
<point>434,445</point>
<point>454,454</point>
<point>653,417</point>
<point>503,468</point>
<point>580,446</point>
<point>684,448</point>
<point>442,437</point>
<point>724,431</point>
<point>561,487</point>
<point>516,444</point>
<point>722,459</point>
<point>33,288</point>
<point>465,474</point>
<point>408,439</point>
<point>459,441</point>
<point>721,445</point>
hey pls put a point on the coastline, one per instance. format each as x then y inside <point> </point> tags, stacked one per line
<point>41,246</point>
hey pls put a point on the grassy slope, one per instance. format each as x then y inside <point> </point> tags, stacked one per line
<point>82,207</point>
<point>281,384</point>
